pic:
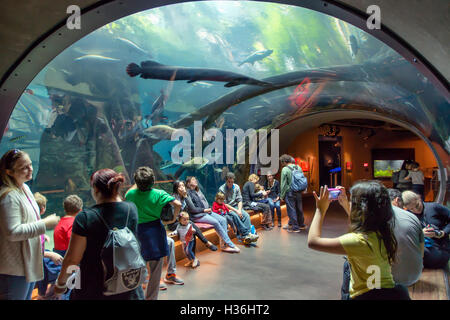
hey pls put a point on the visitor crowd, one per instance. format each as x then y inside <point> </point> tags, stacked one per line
<point>395,231</point>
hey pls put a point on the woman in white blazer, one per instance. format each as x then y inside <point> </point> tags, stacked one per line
<point>21,229</point>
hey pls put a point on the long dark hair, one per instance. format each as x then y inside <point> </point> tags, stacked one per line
<point>372,212</point>
<point>176,185</point>
<point>405,163</point>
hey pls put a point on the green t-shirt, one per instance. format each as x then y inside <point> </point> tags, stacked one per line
<point>149,203</point>
<point>364,252</point>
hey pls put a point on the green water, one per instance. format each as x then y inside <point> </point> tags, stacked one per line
<point>83,112</point>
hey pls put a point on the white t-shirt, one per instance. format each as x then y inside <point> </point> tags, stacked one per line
<point>416,177</point>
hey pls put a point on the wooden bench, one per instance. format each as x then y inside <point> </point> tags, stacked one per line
<point>432,285</point>
<point>211,235</point>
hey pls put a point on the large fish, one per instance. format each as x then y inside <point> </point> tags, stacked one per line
<point>154,70</point>
<point>196,163</point>
<point>133,47</point>
<point>95,58</point>
<point>159,132</point>
<point>256,56</point>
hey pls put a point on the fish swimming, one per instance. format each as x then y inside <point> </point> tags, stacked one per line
<point>154,70</point>
<point>159,132</point>
<point>196,163</point>
<point>95,58</point>
<point>17,138</point>
<point>133,46</point>
<point>256,56</point>
<point>353,45</point>
<point>70,186</point>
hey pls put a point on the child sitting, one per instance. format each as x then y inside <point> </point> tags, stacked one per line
<point>220,207</point>
<point>187,232</point>
<point>259,192</point>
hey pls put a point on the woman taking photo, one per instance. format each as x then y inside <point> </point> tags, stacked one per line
<point>370,244</point>
<point>89,233</point>
<point>21,229</point>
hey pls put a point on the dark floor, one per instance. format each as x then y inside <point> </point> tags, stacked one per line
<point>281,267</point>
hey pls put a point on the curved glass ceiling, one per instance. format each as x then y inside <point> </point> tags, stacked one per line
<point>274,63</point>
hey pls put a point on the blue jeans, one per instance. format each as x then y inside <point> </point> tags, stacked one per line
<point>15,288</point>
<point>294,208</point>
<point>275,205</point>
<point>243,225</point>
<point>189,250</point>
<point>220,225</point>
<point>171,261</point>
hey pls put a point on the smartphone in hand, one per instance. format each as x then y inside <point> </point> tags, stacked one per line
<point>334,194</point>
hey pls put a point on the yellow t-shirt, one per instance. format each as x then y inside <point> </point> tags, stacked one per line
<point>368,258</point>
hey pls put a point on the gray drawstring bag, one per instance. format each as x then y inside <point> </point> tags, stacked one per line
<point>124,268</point>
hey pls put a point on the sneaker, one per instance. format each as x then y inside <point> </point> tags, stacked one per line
<point>172,279</point>
<point>247,240</point>
<point>162,287</point>
<point>279,225</point>
<point>232,250</point>
<point>195,263</point>
<point>293,231</point>
<point>211,246</point>
<point>254,237</point>
<point>267,227</point>
<point>286,226</point>
<point>303,227</point>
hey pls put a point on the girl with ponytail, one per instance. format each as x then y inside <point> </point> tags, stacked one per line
<point>89,234</point>
<point>370,245</point>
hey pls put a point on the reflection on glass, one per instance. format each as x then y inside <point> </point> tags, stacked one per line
<point>90,108</point>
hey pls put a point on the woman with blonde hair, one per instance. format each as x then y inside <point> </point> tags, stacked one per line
<point>250,201</point>
<point>21,229</point>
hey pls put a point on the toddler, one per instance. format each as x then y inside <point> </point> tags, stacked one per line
<point>187,232</point>
<point>221,208</point>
